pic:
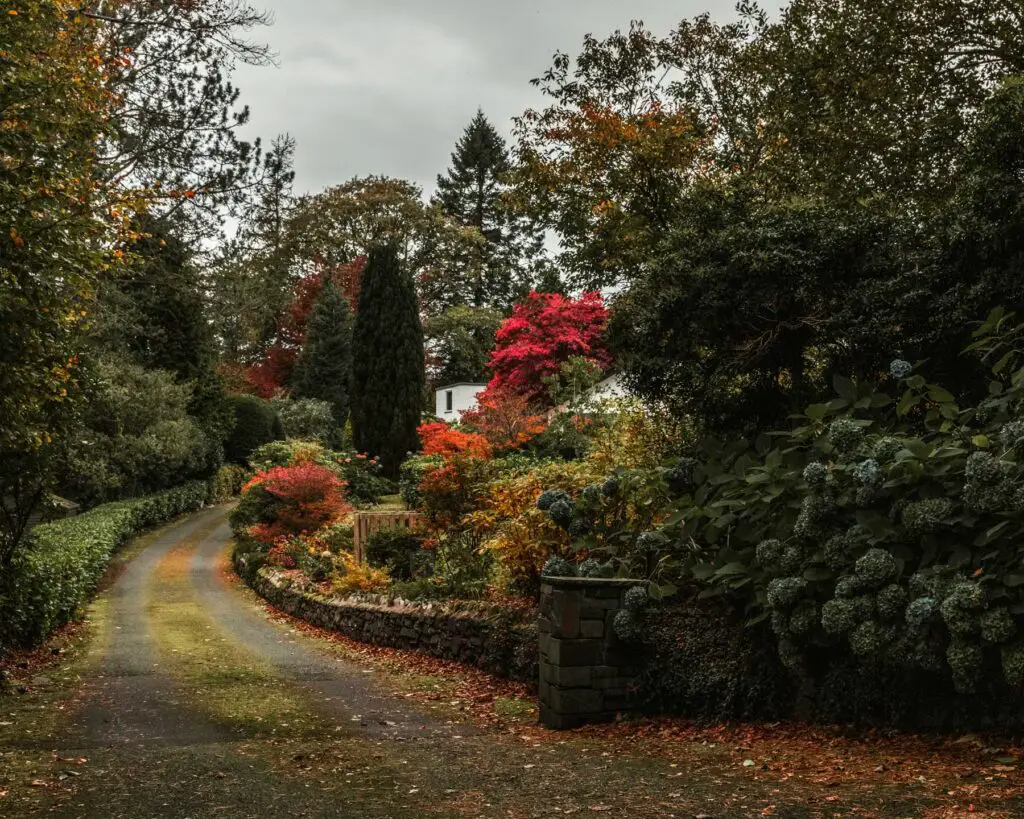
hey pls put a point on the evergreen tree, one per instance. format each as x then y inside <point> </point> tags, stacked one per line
<point>324,367</point>
<point>502,266</point>
<point>388,374</point>
<point>156,317</point>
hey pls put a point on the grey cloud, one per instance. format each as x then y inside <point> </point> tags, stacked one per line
<point>387,87</point>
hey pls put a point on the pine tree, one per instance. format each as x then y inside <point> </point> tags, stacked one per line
<point>324,367</point>
<point>504,264</point>
<point>388,373</point>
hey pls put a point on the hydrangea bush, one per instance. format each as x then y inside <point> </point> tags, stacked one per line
<point>887,525</point>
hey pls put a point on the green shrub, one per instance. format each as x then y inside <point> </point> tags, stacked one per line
<point>400,551</point>
<point>57,571</point>
<point>411,475</point>
<point>135,436</point>
<point>307,419</point>
<point>226,483</point>
<point>884,528</point>
<point>256,424</point>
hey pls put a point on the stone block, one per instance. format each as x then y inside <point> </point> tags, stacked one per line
<point>604,593</point>
<point>574,652</point>
<point>568,677</point>
<point>592,629</point>
<point>575,700</point>
<point>565,615</point>
<point>597,609</point>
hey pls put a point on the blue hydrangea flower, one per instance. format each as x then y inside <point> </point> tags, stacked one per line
<point>868,473</point>
<point>768,552</point>
<point>785,592</point>
<point>845,434</point>
<point>651,542</point>
<point>635,599</point>
<point>558,567</point>
<point>920,612</point>
<point>982,468</point>
<point>900,369</point>
<point>561,513</point>
<point>1012,434</point>
<point>550,497</point>
<point>839,616</point>
<point>876,567</point>
<point>885,449</point>
<point>816,473</point>
<point>627,626</point>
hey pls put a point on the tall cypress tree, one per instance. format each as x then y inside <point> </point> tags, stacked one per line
<point>324,367</point>
<point>388,367</point>
<point>470,193</point>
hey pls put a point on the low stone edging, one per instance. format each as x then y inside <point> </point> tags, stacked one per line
<point>498,645</point>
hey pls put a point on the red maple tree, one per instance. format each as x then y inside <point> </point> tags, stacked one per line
<point>544,331</point>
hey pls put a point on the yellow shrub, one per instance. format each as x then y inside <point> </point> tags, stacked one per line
<point>637,437</point>
<point>508,522</point>
<point>353,576</point>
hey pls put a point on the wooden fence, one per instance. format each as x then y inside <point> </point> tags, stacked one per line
<point>366,523</point>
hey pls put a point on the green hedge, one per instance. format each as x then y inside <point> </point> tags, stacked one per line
<point>60,565</point>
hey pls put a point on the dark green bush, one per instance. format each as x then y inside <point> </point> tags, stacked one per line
<point>701,662</point>
<point>400,551</point>
<point>58,569</point>
<point>256,424</point>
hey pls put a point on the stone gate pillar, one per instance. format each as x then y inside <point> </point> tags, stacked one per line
<point>587,674</point>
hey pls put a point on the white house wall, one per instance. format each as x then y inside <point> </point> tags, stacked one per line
<point>463,399</point>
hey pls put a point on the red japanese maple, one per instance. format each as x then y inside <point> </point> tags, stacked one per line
<point>543,332</point>
<point>297,499</point>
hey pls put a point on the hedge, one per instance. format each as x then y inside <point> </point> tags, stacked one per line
<point>61,563</point>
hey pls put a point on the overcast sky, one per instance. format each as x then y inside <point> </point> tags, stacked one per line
<point>387,86</point>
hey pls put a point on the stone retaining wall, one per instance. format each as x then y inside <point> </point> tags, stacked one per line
<point>500,644</point>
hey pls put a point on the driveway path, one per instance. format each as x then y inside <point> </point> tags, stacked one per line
<point>190,703</point>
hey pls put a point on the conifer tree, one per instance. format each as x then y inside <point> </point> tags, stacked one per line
<point>501,267</point>
<point>388,371</point>
<point>324,367</point>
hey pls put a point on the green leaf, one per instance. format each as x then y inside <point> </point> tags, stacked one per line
<point>845,387</point>
<point>980,441</point>
<point>941,395</point>
<point>817,412</point>
<point>817,574</point>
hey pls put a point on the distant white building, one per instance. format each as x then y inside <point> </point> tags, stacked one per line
<point>608,389</point>
<point>455,399</point>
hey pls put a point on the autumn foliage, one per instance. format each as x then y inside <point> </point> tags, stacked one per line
<point>505,418</point>
<point>290,500</point>
<point>441,439</point>
<point>543,332</point>
<point>273,372</point>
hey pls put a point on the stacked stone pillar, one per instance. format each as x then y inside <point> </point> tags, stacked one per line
<point>587,674</point>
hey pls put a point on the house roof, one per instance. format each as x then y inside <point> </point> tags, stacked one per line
<point>459,384</point>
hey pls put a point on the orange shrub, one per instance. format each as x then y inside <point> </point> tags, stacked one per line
<point>441,439</point>
<point>505,418</point>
